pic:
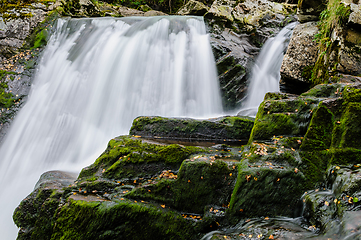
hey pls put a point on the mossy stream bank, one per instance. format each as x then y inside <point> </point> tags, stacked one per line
<point>145,189</point>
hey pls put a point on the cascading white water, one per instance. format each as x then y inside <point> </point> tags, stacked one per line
<point>265,75</point>
<point>95,77</point>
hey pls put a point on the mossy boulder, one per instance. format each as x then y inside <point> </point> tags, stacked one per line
<point>82,219</point>
<point>35,212</point>
<point>282,114</point>
<point>135,184</point>
<point>128,157</point>
<point>271,179</point>
<point>200,182</point>
<point>334,127</point>
<point>220,129</point>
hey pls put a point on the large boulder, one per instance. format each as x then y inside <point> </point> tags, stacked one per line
<point>301,55</point>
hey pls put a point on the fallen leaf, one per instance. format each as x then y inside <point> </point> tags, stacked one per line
<point>271,237</point>
<point>327,203</point>
<point>163,206</point>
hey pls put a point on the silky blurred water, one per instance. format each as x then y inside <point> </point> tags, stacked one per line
<point>265,75</point>
<point>95,77</point>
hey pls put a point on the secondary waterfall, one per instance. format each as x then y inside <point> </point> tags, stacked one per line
<point>95,77</point>
<point>265,75</point>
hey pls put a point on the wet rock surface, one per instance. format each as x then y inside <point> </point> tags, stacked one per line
<point>238,191</point>
<point>238,30</point>
<point>213,130</point>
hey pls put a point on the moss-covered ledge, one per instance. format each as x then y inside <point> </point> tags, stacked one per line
<point>217,129</point>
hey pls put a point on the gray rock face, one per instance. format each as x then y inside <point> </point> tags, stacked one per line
<point>14,31</point>
<point>238,31</point>
<point>193,8</point>
<point>234,54</point>
<point>223,9</point>
<point>355,16</point>
<point>302,53</point>
<point>56,179</point>
<point>256,13</point>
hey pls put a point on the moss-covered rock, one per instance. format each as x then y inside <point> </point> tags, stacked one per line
<point>282,114</point>
<point>127,157</point>
<point>135,184</point>
<point>82,219</point>
<point>201,182</point>
<point>220,129</point>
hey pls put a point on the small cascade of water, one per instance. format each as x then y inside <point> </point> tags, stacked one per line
<point>265,75</point>
<point>95,77</point>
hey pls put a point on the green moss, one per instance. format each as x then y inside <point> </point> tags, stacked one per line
<point>351,94</point>
<point>345,156</point>
<point>7,99</point>
<point>335,16</point>
<point>307,72</point>
<point>39,36</point>
<point>350,127</point>
<point>121,220</point>
<point>314,165</point>
<point>37,211</point>
<point>319,133</point>
<point>126,156</point>
<point>199,183</point>
<point>19,9</point>
<point>284,115</point>
<point>262,191</point>
<point>325,90</point>
<point>212,129</point>
<point>272,124</point>
<point>40,39</point>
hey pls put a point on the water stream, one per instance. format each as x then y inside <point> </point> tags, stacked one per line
<point>265,75</point>
<point>95,77</point>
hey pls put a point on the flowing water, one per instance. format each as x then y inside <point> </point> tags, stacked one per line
<point>95,77</point>
<point>265,75</point>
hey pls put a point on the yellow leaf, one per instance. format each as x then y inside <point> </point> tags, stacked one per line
<point>327,203</point>
<point>271,237</point>
<point>163,206</point>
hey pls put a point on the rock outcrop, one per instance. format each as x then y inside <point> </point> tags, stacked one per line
<point>215,130</point>
<point>238,30</point>
<point>182,192</point>
<point>332,50</point>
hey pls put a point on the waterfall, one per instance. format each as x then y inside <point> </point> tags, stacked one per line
<point>265,75</point>
<point>94,78</point>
